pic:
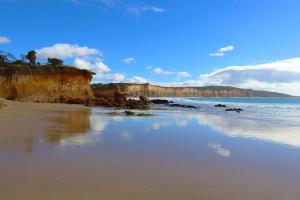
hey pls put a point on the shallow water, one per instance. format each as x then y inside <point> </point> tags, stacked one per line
<point>191,154</point>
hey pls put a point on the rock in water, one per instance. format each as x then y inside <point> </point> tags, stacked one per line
<point>238,110</point>
<point>160,101</point>
<point>182,106</point>
<point>119,99</point>
<point>129,113</point>
<point>3,103</point>
<point>220,106</point>
<point>144,100</point>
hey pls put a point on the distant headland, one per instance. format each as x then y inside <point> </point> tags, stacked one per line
<point>148,90</point>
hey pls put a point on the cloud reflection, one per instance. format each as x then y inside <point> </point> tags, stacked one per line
<point>221,151</point>
<point>280,130</point>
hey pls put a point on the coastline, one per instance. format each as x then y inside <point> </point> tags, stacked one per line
<point>29,119</point>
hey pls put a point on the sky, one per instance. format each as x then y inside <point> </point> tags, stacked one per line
<point>243,43</point>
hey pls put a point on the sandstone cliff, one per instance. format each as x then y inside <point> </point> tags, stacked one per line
<point>136,90</point>
<point>44,83</point>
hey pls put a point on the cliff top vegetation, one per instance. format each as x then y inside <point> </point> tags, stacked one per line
<point>27,64</point>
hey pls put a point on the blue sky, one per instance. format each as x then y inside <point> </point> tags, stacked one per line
<point>244,43</point>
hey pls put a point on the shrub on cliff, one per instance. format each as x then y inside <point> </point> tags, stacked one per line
<point>20,62</point>
<point>6,58</point>
<point>31,56</point>
<point>55,62</point>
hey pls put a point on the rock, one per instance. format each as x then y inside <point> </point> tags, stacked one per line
<point>61,99</point>
<point>220,106</point>
<point>76,101</point>
<point>182,106</point>
<point>144,115</point>
<point>99,102</point>
<point>129,113</point>
<point>136,104</point>
<point>3,103</point>
<point>160,101</point>
<point>144,100</point>
<point>234,110</point>
<point>119,99</point>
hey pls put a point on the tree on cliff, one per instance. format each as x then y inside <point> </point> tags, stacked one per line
<point>31,56</point>
<point>3,59</point>
<point>55,62</point>
<point>6,58</point>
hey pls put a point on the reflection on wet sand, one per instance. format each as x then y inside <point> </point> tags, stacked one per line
<point>75,128</point>
<point>219,149</point>
<point>70,127</point>
<point>67,124</point>
<point>25,125</point>
<point>278,130</point>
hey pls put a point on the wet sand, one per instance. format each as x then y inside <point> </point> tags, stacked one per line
<point>52,151</point>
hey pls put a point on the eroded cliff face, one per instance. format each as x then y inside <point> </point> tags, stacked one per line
<point>45,84</point>
<point>136,90</point>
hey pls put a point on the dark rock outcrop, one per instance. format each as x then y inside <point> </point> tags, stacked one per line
<point>160,101</point>
<point>144,100</point>
<point>182,106</point>
<point>220,106</point>
<point>117,101</point>
<point>234,110</point>
<point>133,114</point>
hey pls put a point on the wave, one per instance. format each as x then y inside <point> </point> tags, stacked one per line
<point>258,104</point>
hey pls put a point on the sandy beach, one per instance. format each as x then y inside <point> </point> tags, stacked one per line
<point>57,151</point>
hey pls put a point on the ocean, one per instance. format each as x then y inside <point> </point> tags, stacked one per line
<point>259,106</point>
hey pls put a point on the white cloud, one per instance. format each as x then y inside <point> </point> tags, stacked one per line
<point>160,71</point>
<point>102,3</point>
<point>278,76</point>
<point>137,79</point>
<point>83,64</point>
<point>100,66</point>
<point>183,74</point>
<point>119,4</point>
<point>64,50</point>
<point>4,40</point>
<point>221,151</point>
<point>97,66</point>
<point>223,50</point>
<point>129,60</point>
<point>140,9</point>
<point>115,78</point>
<point>84,57</point>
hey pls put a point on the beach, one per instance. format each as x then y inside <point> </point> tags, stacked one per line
<point>58,151</point>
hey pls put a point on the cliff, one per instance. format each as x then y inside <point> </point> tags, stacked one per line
<point>44,83</point>
<point>136,90</point>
